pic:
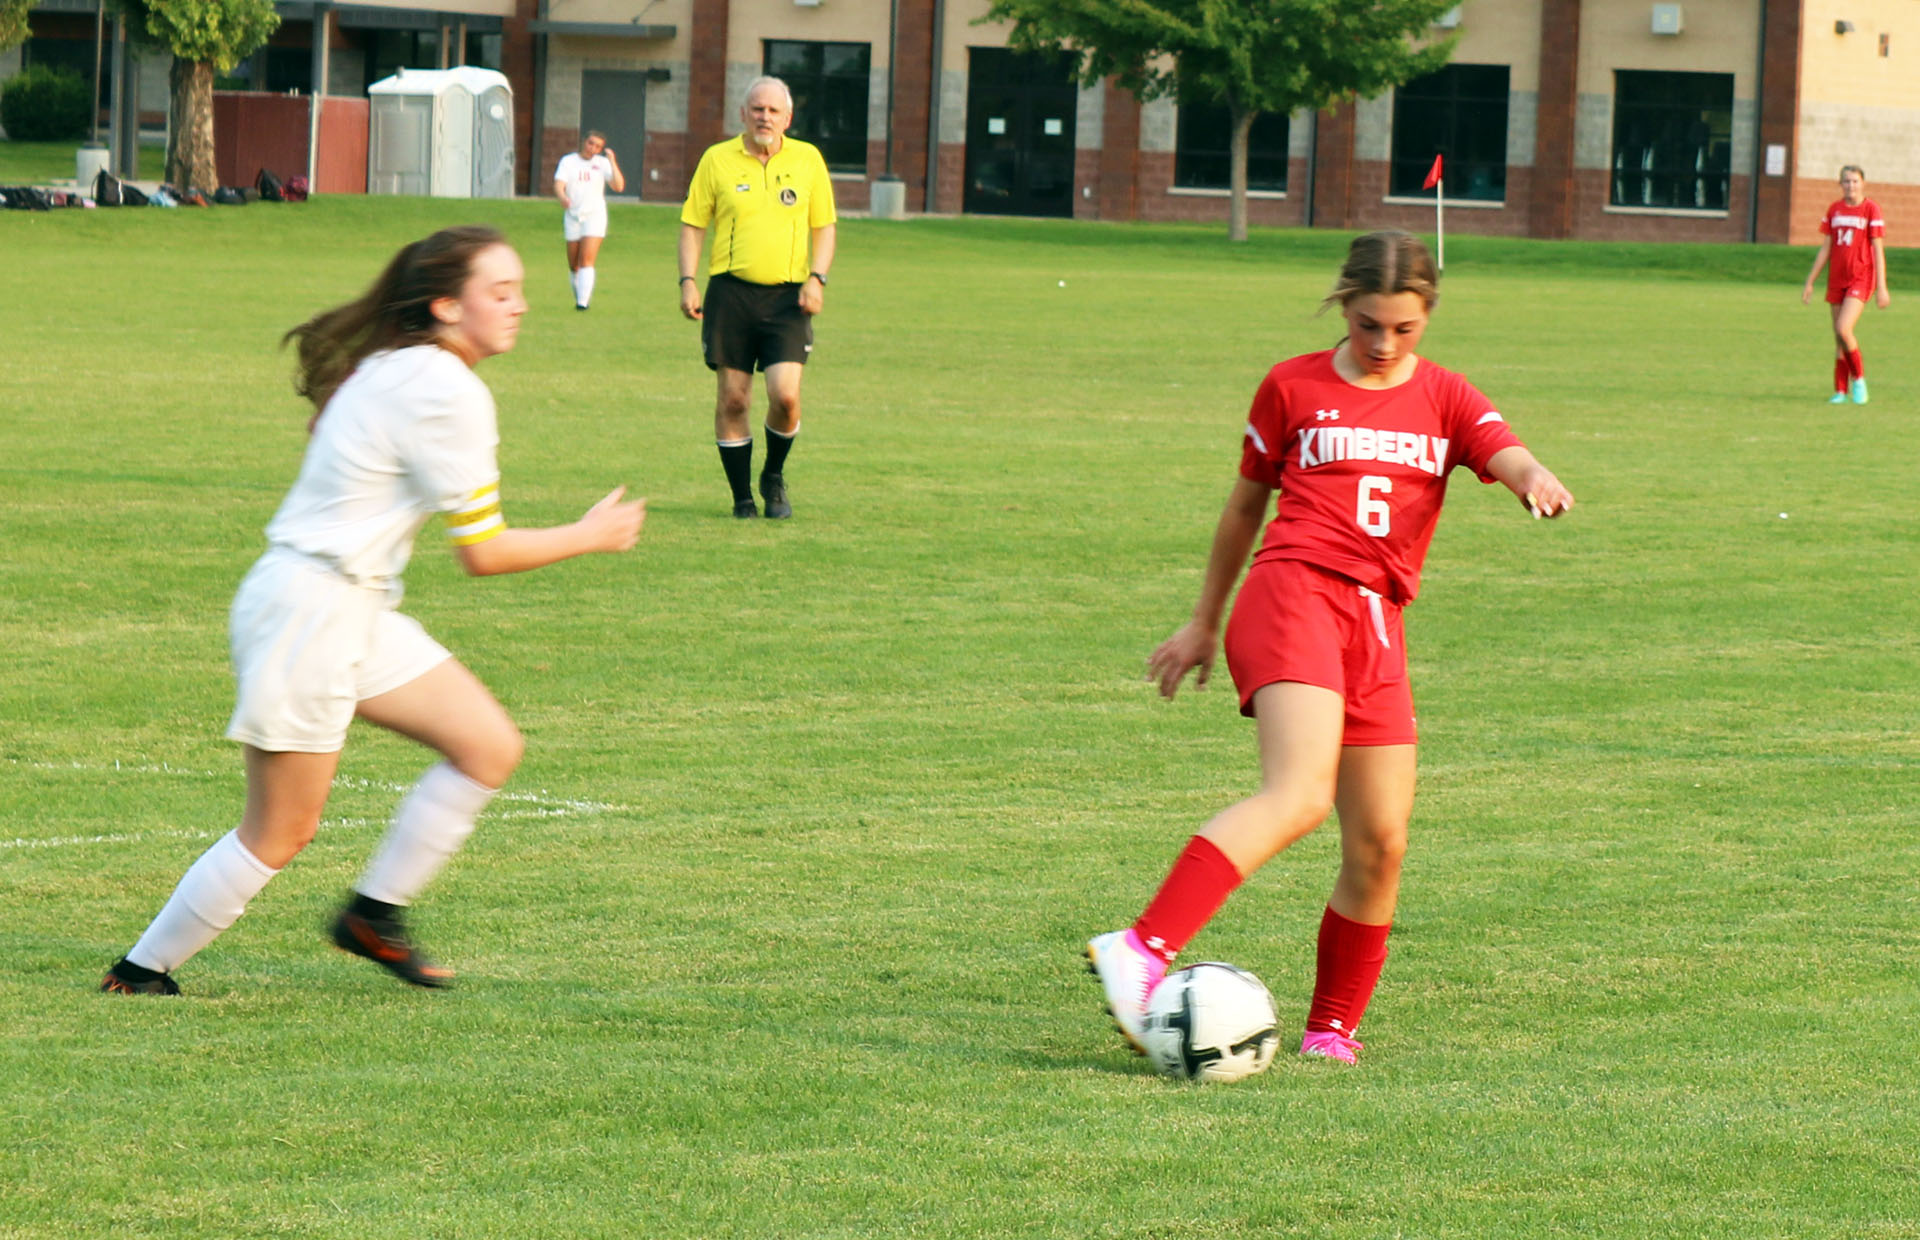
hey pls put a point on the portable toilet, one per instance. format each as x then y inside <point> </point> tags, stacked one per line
<point>447,133</point>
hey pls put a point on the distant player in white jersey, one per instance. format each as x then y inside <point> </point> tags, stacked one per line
<point>405,431</point>
<point>580,183</point>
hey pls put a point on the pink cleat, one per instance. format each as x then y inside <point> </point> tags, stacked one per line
<point>1330,1045</point>
<point>1128,973</point>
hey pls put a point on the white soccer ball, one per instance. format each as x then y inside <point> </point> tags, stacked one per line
<point>1211,1022</point>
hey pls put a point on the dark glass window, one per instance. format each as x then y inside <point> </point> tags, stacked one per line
<point>484,50</point>
<point>1460,114</point>
<point>1672,140</point>
<point>389,51</point>
<point>1202,153</point>
<point>830,84</point>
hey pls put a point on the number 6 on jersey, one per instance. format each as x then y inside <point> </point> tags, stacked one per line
<point>1372,514</point>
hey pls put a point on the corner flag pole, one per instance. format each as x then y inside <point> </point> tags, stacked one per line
<point>1437,181</point>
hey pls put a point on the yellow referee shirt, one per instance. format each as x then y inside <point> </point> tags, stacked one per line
<point>763,214</point>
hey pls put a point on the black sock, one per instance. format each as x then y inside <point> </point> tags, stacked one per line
<point>778,446</point>
<point>128,971</point>
<point>737,460</point>
<point>372,909</point>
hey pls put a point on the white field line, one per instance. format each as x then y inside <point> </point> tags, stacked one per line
<point>508,806</point>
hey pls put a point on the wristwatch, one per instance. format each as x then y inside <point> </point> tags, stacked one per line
<point>817,276</point>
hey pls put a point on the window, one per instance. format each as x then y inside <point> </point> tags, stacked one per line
<point>389,51</point>
<point>1203,149</point>
<point>829,84</point>
<point>1672,140</point>
<point>1459,113</point>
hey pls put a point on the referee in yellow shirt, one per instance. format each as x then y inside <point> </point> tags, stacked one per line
<point>769,202</point>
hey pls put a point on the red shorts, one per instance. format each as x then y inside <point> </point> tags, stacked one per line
<point>1293,621</point>
<point>1859,290</point>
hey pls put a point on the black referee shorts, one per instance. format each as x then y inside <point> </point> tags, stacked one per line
<point>746,326</point>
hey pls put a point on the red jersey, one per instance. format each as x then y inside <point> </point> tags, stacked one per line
<point>1853,230</point>
<point>1362,472</point>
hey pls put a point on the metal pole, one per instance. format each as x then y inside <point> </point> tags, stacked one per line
<point>933,107</point>
<point>1759,131</point>
<point>316,97</point>
<point>893,54</point>
<point>99,45</point>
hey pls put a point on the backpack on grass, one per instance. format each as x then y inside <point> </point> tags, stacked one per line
<point>270,187</point>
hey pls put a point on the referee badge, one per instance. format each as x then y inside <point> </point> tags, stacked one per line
<point>788,197</point>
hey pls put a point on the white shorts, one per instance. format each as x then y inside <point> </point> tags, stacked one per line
<point>592,224</point>
<point>308,647</point>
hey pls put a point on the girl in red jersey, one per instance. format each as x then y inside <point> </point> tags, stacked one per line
<point>1358,441</point>
<point>1851,235</point>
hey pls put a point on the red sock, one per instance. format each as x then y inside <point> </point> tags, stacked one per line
<point>1840,374</point>
<point>1854,364</point>
<point>1198,884</point>
<point>1351,957</point>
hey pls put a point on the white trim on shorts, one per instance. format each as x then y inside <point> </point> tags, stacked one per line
<point>308,647</point>
<point>576,227</point>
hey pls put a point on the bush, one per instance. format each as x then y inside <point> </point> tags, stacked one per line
<point>44,104</point>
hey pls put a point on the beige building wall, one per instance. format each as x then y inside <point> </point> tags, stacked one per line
<point>1857,105</point>
<point>1502,32</point>
<point>832,21</point>
<point>675,13</point>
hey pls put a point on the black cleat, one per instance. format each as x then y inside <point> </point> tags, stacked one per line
<point>385,942</point>
<point>744,510</point>
<point>773,489</point>
<point>116,983</point>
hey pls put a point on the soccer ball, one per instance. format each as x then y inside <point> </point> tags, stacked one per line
<point>1211,1022</point>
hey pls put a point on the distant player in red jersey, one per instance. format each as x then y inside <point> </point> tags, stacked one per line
<point>1359,441</point>
<point>1851,235</point>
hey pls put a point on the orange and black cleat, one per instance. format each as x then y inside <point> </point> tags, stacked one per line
<point>120,980</point>
<point>384,941</point>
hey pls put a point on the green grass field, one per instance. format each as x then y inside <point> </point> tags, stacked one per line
<point>40,163</point>
<point>776,934</point>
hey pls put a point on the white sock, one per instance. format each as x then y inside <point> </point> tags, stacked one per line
<point>210,897</point>
<point>583,295</point>
<point>428,828</point>
<point>573,279</point>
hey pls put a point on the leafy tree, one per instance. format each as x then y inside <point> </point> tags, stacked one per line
<point>1248,56</point>
<point>204,37</point>
<point>13,23</point>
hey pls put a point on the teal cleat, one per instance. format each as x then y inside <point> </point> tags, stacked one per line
<point>1859,391</point>
<point>1838,398</point>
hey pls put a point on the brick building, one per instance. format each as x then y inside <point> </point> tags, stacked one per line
<point>1705,120</point>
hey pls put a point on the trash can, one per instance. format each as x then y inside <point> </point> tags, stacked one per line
<point>92,160</point>
<point>889,200</point>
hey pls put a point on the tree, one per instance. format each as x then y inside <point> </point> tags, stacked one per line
<point>204,37</point>
<point>1250,56</point>
<point>13,23</point>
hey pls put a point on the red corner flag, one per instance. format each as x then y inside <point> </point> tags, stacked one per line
<point>1433,175</point>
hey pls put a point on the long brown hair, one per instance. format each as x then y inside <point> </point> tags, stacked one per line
<point>394,313</point>
<point>1386,262</point>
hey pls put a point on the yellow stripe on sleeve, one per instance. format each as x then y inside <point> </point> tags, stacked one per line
<point>478,518</point>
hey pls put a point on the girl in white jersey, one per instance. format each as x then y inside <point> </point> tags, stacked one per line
<point>580,183</point>
<point>1357,442</point>
<point>404,431</point>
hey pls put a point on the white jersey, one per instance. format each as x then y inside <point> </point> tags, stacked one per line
<point>586,182</point>
<point>409,434</point>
